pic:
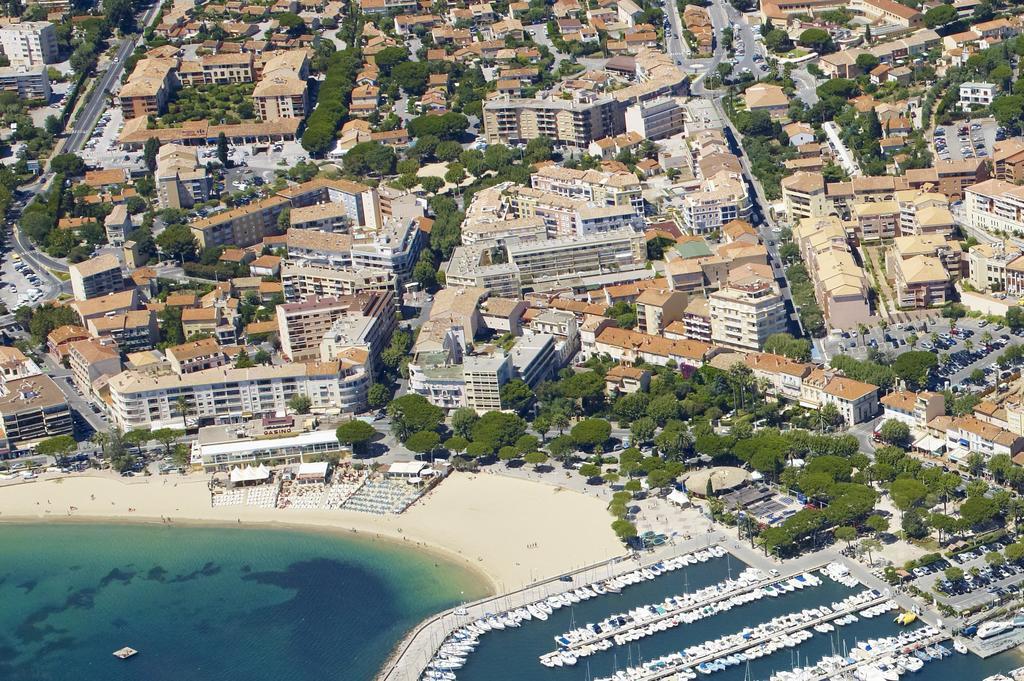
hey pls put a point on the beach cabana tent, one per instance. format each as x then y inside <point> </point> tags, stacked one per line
<point>312,472</point>
<point>249,475</point>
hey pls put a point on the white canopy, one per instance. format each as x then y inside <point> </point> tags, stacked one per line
<point>407,468</point>
<point>679,497</point>
<point>317,469</point>
<point>249,474</point>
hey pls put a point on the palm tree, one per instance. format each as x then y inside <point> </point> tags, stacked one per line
<point>986,338</point>
<point>935,338</point>
<point>969,344</point>
<point>945,359</point>
<point>912,340</point>
<point>863,330</point>
<point>560,421</point>
<point>184,409</point>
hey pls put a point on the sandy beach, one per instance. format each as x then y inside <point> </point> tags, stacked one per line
<point>511,531</point>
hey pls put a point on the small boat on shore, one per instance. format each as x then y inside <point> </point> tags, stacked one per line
<point>125,653</point>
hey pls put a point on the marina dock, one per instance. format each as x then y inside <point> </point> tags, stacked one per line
<point>668,614</point>
<point>669,670</point>
<point>849,669</point>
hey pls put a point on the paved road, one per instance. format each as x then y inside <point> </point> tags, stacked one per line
<point>846,159</point>
<point>806,86</point>
<point>90,112</point>
<point>62,377</point>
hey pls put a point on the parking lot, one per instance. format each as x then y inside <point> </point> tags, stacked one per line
<point>19,283</point>
<point>967,348</point>
<point>970,139</point>
<point>989,583</point>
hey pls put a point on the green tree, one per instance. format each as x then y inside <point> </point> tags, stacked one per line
<point>356,434</point>
<point>517,396</point>
<point>878,524</point>
<point>895,433</point>
<point>463,420</point>
<point>846,534</point>
<point>591,433</point>
<point>953,573</point>
<point>378,395</point>
<point>222,149</point>
<point>300,404</point>
<point>59,447</point>
<point>431,184</point>
<point>907,493</point>
<point>243,361</point>
<point>498,429</point>
<point>423,442</point>
<point>149,152</point>
<point>167,437</point>
<point>939,16</point>
<point>915,367</point>
<point>177,242</point>
<point>412,413</point>
<point>642,430</point>
<point>535,458</point>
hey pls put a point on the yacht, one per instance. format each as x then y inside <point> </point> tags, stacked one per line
<point>990,629</point>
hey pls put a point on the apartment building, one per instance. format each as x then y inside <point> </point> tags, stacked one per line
<point>131,331</point>
<point>484,375</point>
<point>564,216</point>
<point>912,408</point>
<point>218,69</point>
<point>630,347</point>
<point>571,123</point>
<point>363,206</point>
<point>920,281</point>
<point>657,308</point>
<point>281,94</point>
<point>950,177</point>
<point>91,360</point>
<point>966,435</point>
<point>656,118</point>
<point>197,355</point>
<point>976,95</point>
<point>1008,161</point>
<point>856,401</point>
<point>747,310</point>
<point>995,206</point>
<point>594,253</point>
<point>301,281</point>
<point>924,213</point>
<point>181,182</point>
<point>32,409</point>
<point>149,88</point>
<point>840,285</point>
<point>804,196</point>
<point>876,220</point>
<point>987,263</point>
<point>720,200</point>
<point>814,387</point>
<point>323,217</point>
<point>615,189</point>
<point>395,247</point>
<point>228,395</point>
<point>96,277</point>
<point>29,43</point>
<point>323,327</point>
<point>27,82</point>
<point>240,227</point>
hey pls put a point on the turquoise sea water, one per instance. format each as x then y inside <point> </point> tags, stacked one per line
<point>511,654</point>
<point>205,604</point>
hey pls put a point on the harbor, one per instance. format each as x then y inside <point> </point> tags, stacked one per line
<point>843,623</point>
